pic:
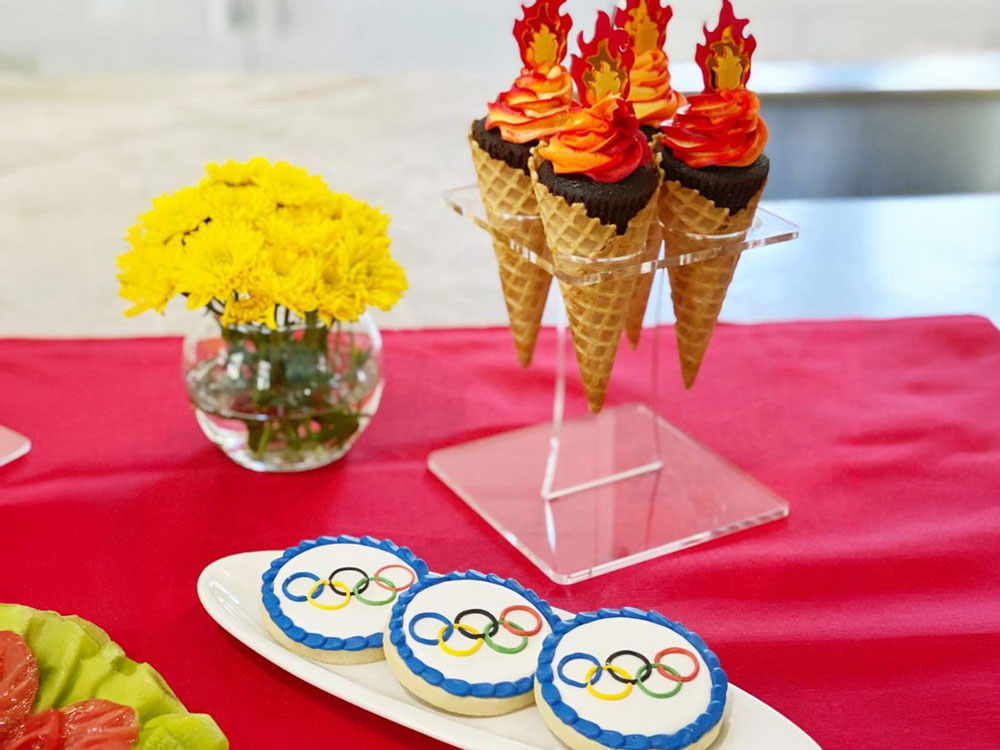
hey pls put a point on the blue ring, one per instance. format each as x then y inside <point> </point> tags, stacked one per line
<point>434,616</point>
<point>572,657</point>
<point>294,577</point>
<point>272,602</point>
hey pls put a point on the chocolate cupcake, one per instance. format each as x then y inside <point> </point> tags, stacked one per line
<point>712,156</point>
<point>726,187</point>
<point>596,184</point>
<point>611,202</point>
<point>649,90</point>
<point>654,101</point>
<point>533,108</point>
<point>492,142</point>
<point>652,133</point>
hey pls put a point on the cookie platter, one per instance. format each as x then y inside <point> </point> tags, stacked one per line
<point>229,590</point>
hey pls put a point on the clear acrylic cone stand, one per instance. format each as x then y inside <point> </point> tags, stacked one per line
<point>585,494</point>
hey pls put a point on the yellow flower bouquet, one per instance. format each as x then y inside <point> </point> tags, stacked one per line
<point>287,269</point>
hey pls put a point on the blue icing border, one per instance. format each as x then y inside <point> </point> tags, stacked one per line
<point>272,605</point>
<point>432,676</point>
<point>679,739</point>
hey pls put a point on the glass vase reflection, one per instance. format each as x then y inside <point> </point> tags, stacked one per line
<point>287,399</point>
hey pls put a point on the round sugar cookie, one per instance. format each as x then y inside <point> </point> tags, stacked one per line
<point>468,642</point>
<point>629,678</point>
<point>329,599</point>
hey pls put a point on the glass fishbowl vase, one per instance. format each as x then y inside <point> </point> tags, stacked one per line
<point>287,399</point>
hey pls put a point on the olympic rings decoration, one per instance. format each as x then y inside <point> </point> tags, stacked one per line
<point>345,592</point>
<point>623,676</point>
<point>479,637</point>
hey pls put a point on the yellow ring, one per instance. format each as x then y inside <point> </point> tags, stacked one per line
<point>461,651</point>
<point>333,584</point>
<point>608,696</point>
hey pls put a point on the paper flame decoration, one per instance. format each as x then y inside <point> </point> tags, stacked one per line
<point>603,64</point>
<point>724,59</point>
<point>646,23</point>
<point>541,35</point>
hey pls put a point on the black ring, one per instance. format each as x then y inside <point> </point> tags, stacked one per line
<point>627,652</point>
<point>494,623</point>
<point>364,575</point>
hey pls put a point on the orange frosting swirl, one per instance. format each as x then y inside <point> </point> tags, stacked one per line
<point>718,128</point>
<point>535,106</point>
<point>602,142</point>
<point>649,88</point>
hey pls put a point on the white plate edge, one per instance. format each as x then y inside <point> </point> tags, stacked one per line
<point>464,736</point>
<point>359,695</point>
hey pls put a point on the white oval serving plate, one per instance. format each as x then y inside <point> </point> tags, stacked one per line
<point>229,590</point>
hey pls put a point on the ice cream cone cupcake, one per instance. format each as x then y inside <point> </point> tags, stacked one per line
<point>714,173</point>
<point>533,108</point>
<point>654,101</point>
<point>596,183</point>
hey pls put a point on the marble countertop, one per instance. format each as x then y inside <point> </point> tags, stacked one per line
<point>81,157</point>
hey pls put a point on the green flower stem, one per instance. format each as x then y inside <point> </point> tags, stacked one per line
<point>285,375</point>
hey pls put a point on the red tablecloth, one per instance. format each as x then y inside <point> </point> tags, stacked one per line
<point>870,617</point>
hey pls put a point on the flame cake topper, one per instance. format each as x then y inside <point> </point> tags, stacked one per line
<point>724,59</point>
<point>646,23</point>
<point>603,65</point>
<point>541,35</point>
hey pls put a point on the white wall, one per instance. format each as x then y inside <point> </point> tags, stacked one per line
<point>62,36</point>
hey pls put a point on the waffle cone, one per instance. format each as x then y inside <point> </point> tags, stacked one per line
<point>506,192</point>
<point>596,311</point>
<point>697,290</point>
<point>643,283</point>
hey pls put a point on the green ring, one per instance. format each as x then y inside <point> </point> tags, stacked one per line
<point>374,602</point>
<point>648,671</point>
<point>506,649</point>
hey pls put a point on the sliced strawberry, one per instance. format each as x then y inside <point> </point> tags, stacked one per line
<point>42,731</point>
<point>18,682</point>
<point>99,725</point>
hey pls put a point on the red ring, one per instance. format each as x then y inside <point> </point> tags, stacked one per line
<point>674,677</point>
<point>521,608</point>
<point>413,577</point>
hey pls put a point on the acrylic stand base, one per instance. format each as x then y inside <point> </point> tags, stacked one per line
<point>693,497</point>
<point>584,494</point>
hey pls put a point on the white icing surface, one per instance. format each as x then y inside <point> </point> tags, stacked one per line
<point>486,665</point>
<point>356,618</point>
<point>637,713</point>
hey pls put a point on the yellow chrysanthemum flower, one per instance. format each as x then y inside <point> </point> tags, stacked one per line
<point>217,261</point>
<point>254,237</point>
<point>148,274</point>
<point>358,274</point>
<point>174,214</point>
<point>236,173</point>
<point>292,280</point>
<point>244,203</point>
<point>298,230</point>
<point>252,307</point>
<point>292,186</point>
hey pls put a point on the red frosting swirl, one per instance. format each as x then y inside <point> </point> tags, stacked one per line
<point>718,128</point>
<point>649,88</point>
<point>603,142</point>
<point>535,106</point>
